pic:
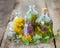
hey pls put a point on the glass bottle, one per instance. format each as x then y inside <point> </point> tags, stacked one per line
<point>28,33</point>
<point>31,15</point>
<point>28,28</point>
<point>44,26</point>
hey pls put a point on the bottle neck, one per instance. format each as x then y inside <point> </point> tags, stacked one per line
<point>18,14</point>
<point>44,14</point>
<point>31,9</point>
<point>25,19</point>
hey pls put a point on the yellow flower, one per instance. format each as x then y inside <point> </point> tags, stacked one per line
<point>18,29</point>
<point>38,28</point>
<point>19,20</point>
<point>27,37</point>
<point>19,25</point>
<point>23,38</point>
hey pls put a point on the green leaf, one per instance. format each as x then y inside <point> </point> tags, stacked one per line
<point>26,42</point>
<point>33,16</point>
<point>58,30</point>
<point>36,37</point>
<point>43,40</point>
<point>16,42</point>
<point>34,43</point>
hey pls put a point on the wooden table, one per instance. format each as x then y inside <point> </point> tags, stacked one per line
<point>54,12</point>
<point>6,7</point>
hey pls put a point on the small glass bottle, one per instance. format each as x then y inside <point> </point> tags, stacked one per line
<point>27,37</point>
<point>28,29</point>
<point>44,26</point>
<point>32,15</point>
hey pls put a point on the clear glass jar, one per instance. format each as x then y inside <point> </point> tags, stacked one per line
<point>44,26</point>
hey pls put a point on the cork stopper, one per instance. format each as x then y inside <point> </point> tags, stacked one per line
<point>44,10</point>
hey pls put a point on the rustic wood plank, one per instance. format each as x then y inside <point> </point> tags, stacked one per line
<point>6,6</point>
<point>24,7</point>
<point>5,37</point>
<point>54,11</point>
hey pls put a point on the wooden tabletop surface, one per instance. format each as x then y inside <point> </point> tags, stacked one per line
<point>6,7</point>
<point>53,7</point>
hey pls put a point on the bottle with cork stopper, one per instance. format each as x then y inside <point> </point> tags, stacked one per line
<point>44,26</point>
